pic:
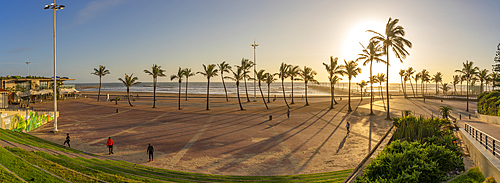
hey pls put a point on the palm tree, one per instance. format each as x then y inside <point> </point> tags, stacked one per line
<point>483,76</point>
<point>394,37</point>
<point>402,73</point>
<point>293,72</point>
<point>238,76</point>
<point>456,80</point>
<point>409,73</point>
<point>352,70</point>
<point>208,72</point>
<point>333,70</point>
<point>156,72</point>
<point>179,75</point>
<point>438,77</point>
<point>494,78</point>
<point>261,76</point>
<point>283,73</point>
<point>307,76</point>
<point>468,71</point>
<point>246,65</point>
<point>102,71</point>
<point>381,78</point>
<point>462,79</point>
<point>224,67</point>
<point>372,52</point>
<point>406,77</point>
<point>269,78</point>
<point>129,81</point>
<point>188,73</point>
<point>425,77</point>
<point>362,85</point>
<point>417,77</point>
<point>445,88</point>
<point>445,111</point>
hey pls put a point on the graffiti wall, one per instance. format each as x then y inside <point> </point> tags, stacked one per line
<point>23,123</point>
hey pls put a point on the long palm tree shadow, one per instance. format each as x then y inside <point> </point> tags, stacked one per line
<point>324,142</point>
<point>341,145</point>
<point>338,112</point>
<point>304,123</point>
<point>230,151</point>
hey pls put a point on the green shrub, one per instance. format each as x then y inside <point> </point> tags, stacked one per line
<point>488,103</point>
<point>412,162</point>
<point>412,128</point>
<point>474,175</point>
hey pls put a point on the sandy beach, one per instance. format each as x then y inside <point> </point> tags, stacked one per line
<point>225,140</point>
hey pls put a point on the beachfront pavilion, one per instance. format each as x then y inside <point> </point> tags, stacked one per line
<point>29,83</point>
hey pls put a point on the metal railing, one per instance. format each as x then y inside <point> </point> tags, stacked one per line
<point>484,139</point>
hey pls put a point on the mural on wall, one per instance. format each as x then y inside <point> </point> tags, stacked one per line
<point>34,120</point>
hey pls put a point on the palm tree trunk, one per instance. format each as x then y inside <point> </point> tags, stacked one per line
<point>179,94</point>
<point>283,87</point>
<point>292,91</point>
<point>227,99</point>
<point>268,88</point>
<point>128,97</point>
<point>349,99</point>
<point>437,91</point>
<point>262,94</point>
<point>187,88</point>
<point>387,87</point>
<point>98,94</point>
<point>154,92</point>
<point>467,95</point>
<point>246,90</point>
<point>361,94</point>
<point>331,92</point>
<point>208,90</point>
<point>371,88</point>
<point>307,102</point>
<point>333,95</point>
<point>481,87</point>
<point>402,86</point>
<point>238,92</point>
<point>412,88</point>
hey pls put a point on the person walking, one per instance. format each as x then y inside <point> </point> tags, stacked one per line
<point>67,140</point>
<point>109,143</point>
<point>347,125</point>
<point>288,113</point>
<point>150,151</point>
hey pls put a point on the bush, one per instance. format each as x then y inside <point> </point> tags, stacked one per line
<point>412,162</point>
<point>489,103</point>
<point>474,175</point>
<point>412,128</point>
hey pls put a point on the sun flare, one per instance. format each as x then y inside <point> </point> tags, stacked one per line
<point>352,48</point>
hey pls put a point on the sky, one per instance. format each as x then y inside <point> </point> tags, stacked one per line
<point>130,36</point>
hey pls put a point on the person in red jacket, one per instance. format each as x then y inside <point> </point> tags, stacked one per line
<point>109,143</point>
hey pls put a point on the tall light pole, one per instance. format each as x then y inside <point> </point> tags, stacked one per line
<point>254,45</point>
<point>27,65</point>
<point>55,7</point>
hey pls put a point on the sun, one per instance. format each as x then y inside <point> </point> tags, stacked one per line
<point>352,48</point>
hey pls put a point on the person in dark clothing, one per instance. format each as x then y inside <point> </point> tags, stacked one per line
<point>109,143</point>
<point>347,125</point>
<point>150,151</point>
<point>288,113</point>
<point>67,140</point>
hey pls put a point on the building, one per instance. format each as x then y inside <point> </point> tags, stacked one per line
<point>4,95</point>
<point>28,83</point>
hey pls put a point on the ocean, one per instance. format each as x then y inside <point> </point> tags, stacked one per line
<point>217,87</point>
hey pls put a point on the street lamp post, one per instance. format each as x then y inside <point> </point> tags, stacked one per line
<point>254,45</point>
<point>55,7</point>
<point>28,66</point>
